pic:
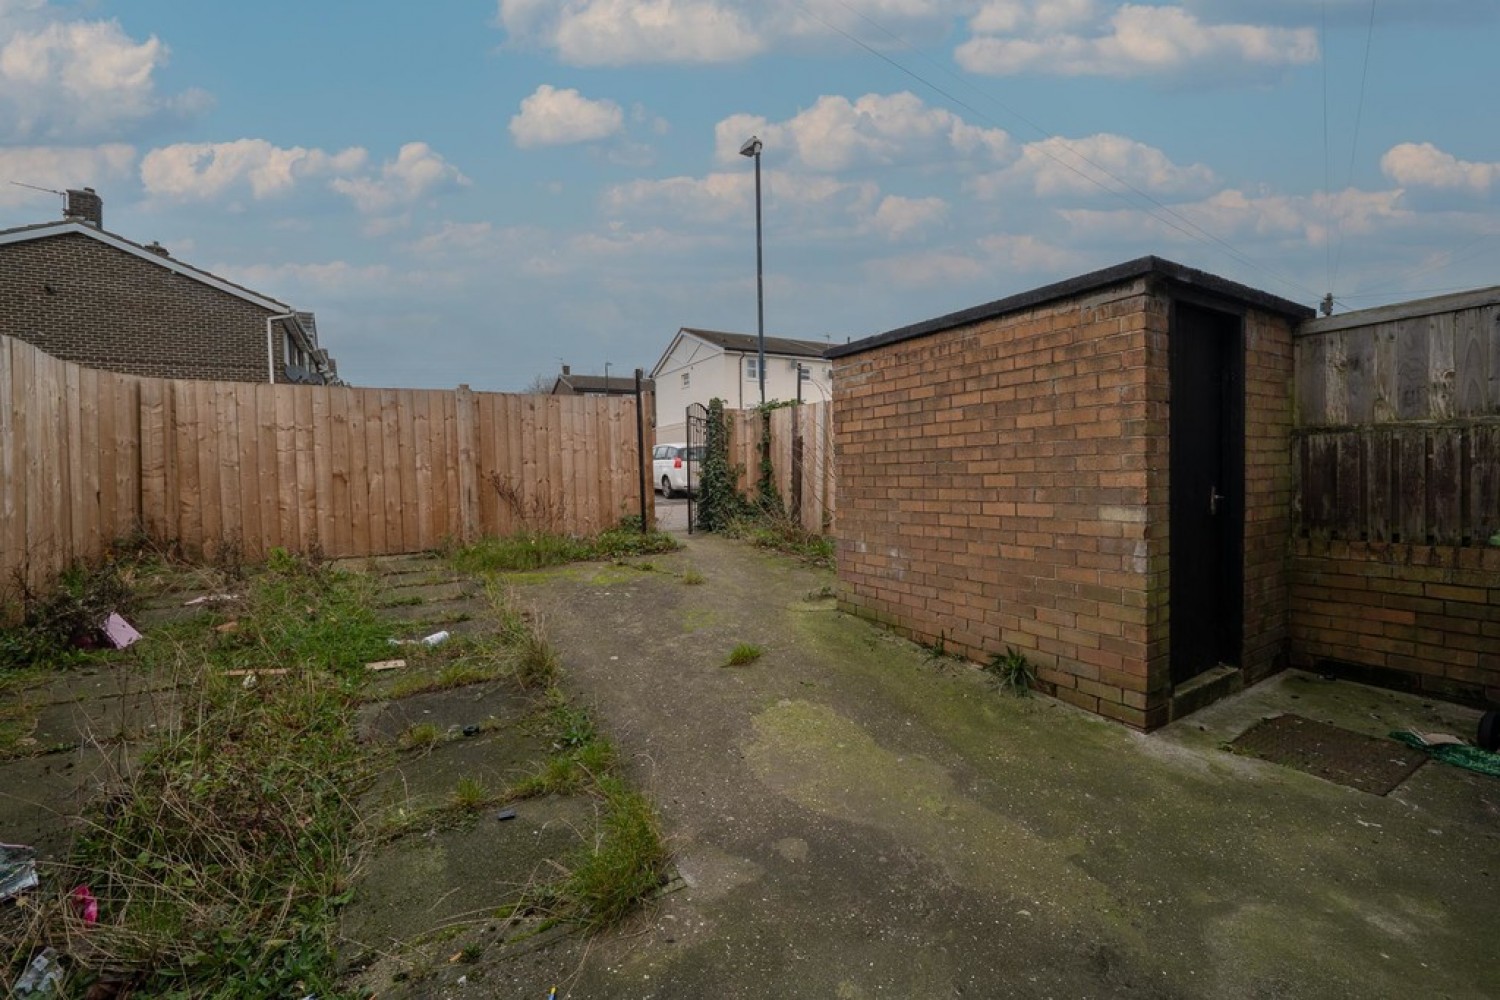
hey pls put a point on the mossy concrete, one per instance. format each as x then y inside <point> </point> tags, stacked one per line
<point>855,818</point>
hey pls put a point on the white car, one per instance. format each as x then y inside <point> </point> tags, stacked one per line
<point>669,468</point>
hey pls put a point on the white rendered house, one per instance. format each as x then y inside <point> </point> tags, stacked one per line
<point>700,365</point>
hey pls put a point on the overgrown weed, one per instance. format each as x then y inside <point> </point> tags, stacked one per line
<point>221,858</point>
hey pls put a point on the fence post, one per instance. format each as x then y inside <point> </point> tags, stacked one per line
<point>468,471</point>
<point>640,448</point>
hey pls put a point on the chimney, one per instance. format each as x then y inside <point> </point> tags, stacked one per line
<point>567,370</point>
<point>158,249</point>
<point>84,206</point>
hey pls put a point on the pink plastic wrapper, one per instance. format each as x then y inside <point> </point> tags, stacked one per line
<point>84,904</point>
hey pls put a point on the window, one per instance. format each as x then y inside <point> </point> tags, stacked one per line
<point>752,369</point>
<point>687,379</point>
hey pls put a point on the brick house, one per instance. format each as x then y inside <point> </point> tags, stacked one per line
<point>87,295</point>
<point>570,383</point>
<point>1096,472</point>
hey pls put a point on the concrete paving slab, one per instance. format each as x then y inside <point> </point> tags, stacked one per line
<point>452,709</point>
<point>90,720</point>
<point>42,798</point>
<point>422,779</point>
<point>447,883</point>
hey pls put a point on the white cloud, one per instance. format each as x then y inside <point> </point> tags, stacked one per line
<point>630,32</point>
<point>1306,220</point>
<point>59,167</point>
<point>1423,165</point>
<point>797,200</point>
<point>996,259</point>
<point>876,129</point>
<point>1072,39</point>
<point>552,117</point>
<point>625,32</point>
<point>899,217</point>
<point>417,170</point>
<point>1057,166</point>
<point>200,170</point>
<point>63,79</point>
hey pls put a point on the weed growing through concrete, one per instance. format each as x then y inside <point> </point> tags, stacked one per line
<point>421,736</point>
<point>1015,671</point>
<point>220,861</point>
<point>470,795</point>
<point>531,550</point>
<point>743,654</point>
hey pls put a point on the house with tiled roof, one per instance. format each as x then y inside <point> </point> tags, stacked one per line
<point>83,294</point>
<point>571,383</point>
<point>700,365</point>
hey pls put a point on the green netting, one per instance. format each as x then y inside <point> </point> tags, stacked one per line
<point>1467,757</point>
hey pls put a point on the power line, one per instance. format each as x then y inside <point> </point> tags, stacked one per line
<point>1193,230</point>
<point>1359,112</point>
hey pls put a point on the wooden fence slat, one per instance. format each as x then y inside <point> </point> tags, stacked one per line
<point>342,532</point>
<point>307,481</point>
<point>1490,330</point>
<point>321,455</point>
<point>375,435</point>
<point>1378,483</point>
<point>286,468</point>
<point>1351,487</point>
<point>1412,375</point>
<point>12,521</point>
<point>421,439</point>
<point>269,470</point>
<point>1484,482</point>
<point>389,437</point>
<point>1471,357</point>
<point>153,460</point>
<point>1411,479</point>
<point>359,479</point>
<point>227,441</point>
<point>1320,482</point>
<point>1444,496</point>
<point>1359,378</point>
<point>1384,403</point>
<point>1441,376</point>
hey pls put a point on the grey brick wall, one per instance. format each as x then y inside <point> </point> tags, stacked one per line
<point>90,303</point>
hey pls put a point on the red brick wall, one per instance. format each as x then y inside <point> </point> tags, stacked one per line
<point>1268,492</point>
<point>1419,616</point>
<point>993,492</point>
<point>1006,484</point>
<point>83,301</point>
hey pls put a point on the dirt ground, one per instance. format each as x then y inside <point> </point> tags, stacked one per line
<point>854,819</point>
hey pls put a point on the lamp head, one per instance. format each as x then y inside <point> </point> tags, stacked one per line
<point>751,147</point>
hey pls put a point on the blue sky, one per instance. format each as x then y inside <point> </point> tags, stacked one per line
<point>479,191</point>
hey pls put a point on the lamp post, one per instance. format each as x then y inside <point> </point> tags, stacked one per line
<point>752,149</point>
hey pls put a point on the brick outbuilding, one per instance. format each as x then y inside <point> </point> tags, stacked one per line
<point>1096,473</point>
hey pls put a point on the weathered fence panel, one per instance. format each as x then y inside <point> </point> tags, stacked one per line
<point>801,459</point>
<point>87,457</point>
<point>1398,423</point>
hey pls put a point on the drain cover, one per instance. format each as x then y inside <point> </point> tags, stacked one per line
<point>1368,763</point>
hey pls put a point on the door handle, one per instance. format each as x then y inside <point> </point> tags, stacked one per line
<point>1214,496</point>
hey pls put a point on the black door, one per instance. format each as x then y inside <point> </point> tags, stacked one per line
<point>1207,495</point>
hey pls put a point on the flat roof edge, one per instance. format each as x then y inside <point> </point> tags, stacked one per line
<point>1118,274</point>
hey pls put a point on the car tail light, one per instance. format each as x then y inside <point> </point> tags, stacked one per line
<point>677,462</point>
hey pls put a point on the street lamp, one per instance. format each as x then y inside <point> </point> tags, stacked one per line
<point>752,149</point>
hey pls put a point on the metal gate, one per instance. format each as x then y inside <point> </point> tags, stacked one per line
<point>697,441</point>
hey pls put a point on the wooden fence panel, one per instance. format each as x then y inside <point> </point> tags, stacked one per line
<point>88,456</point>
